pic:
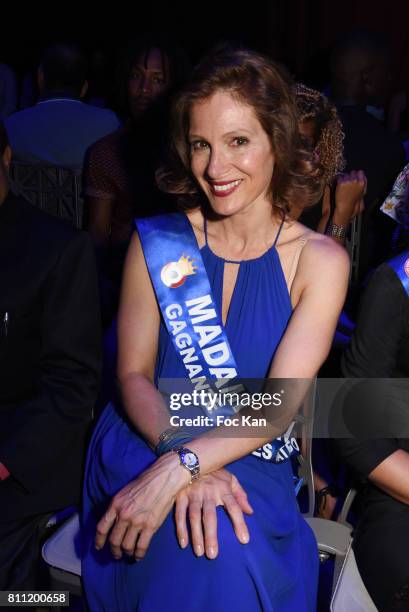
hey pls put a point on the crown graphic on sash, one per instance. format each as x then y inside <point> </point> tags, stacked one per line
<point>174,273</point>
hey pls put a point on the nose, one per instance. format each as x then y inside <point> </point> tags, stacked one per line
<point>146,84</point>
<point>218,163</point>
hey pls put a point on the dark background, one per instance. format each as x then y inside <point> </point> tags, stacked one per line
<point>297,32</point>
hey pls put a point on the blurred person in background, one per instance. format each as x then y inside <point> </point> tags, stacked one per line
<point>376,412</point>
<point>343,191</point>
<point>119,172</point>
<point>49,374</point>
<point>342,200</point>
<point>361,77</point>
<point>58,130</point>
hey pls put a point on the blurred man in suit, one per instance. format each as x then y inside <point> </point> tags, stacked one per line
<point>49,373</point>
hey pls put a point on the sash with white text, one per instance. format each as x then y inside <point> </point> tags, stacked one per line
<point>192,320</point>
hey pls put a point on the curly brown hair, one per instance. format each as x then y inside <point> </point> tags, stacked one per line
<point>258,82</point>
<point>313,106</point>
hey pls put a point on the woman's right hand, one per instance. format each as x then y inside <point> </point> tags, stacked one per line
<point>138,510</point>
<point>199,501</point>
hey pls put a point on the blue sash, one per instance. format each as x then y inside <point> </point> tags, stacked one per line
<point>400,265</point>
<point>191,318</point>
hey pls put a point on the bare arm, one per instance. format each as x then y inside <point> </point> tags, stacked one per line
<point>349,202</point>
<point>100,218</point>
<point>391,475</point>
<point>325,210</point>
<point>138,333</point>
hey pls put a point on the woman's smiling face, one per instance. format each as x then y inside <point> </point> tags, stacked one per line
<point>231,154</point>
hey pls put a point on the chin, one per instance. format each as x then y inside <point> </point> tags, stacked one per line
<point>224,208</point>
<point>224,211</point>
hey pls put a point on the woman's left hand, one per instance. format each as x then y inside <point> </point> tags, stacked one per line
<point>138,510</point>
<point>349,195</point>
<point>199,502</point>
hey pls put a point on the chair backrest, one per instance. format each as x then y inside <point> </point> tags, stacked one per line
<point>305,459</point>
<point>54,189</point>
<point>352,245</point>
<point>62,550</point>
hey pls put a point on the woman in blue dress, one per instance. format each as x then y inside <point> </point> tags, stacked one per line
<point>157,536</point>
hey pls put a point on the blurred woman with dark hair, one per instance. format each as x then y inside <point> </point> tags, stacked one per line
<point>341,201</point>
<point>119,171</point>
<point>233,277</point>
<point>343,192</point>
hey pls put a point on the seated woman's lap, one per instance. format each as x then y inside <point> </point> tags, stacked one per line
<point>243,577</point>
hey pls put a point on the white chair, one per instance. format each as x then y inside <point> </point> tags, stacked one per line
<point>333,537</point>
<point>353,245</point>
<point>350,594</point>
<point>62,553</point>
<point>54,189</point>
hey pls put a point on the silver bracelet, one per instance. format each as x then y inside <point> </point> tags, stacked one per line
<point>336,231</point>
<point>171,437</point>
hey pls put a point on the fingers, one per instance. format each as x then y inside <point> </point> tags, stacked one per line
<point>143,543</point>
<point>129,541</point>
<point>236,516</point>
<point>200,502</point>
<point>116,537</point>
<point>104,527</point>
<point>357,176</point>
<point>241,496</point>
<point>195,520</point>
<point>210,529</point>
<point>182,503</point>
<point>353,176</point>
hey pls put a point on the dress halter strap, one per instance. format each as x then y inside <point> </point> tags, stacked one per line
<point>205,229</point>
<point>279,231</point>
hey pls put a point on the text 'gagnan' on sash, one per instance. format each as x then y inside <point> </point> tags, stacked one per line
<point>214,357</point>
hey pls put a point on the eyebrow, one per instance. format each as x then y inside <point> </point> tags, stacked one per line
<point>231,133</point>
<point>155,70</point>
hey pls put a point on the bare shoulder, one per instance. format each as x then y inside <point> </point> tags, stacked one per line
<point>317,247</point>
<point>135,269</point>
<point>322,264</point>
<point>135,247</point>
<point>323,252</point>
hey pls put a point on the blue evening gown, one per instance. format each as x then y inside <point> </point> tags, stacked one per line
<point>278,570</point>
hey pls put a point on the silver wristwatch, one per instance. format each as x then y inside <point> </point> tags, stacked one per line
<point>189,460</point>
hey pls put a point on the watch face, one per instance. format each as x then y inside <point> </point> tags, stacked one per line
<point>189,459</point>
